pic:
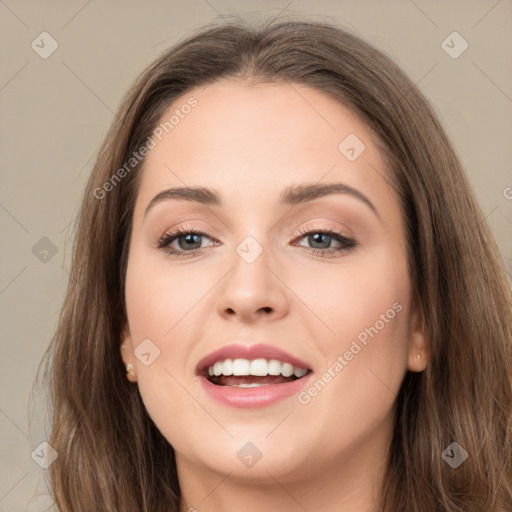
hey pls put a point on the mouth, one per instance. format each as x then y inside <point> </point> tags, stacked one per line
<point>246,373</point>
<point>251,376</point>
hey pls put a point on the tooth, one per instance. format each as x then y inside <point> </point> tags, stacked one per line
<point>300,372</point>
<point>240,367</point>
<point>227,367</point>
<point>217,368</point>
<point>249,385</point>
<point>287,370</point>
<point>274,367</point>
<point>258,367</point>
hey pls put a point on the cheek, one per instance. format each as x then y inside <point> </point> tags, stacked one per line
<point>374,305</point>
<point>367,306</point>
<point>365,311</point>
<point>162,305</point>
<point>364,291</point>
<point>158,296</point>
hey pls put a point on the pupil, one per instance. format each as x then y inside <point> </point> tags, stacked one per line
<point>316,237</point>
<point>190,238</point>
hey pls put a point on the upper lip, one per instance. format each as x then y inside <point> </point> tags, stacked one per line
<point>239,350</point>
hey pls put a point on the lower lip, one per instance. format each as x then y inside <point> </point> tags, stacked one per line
<point>249,398</point>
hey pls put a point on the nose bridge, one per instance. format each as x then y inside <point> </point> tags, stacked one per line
<point>250,287</point>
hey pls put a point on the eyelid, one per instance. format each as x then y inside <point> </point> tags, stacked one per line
<point>348,243</point>
<point>318,225</point>
<point>182,231</point>
<point>338,235</point>
<point>327,225</point>
<point>321,226</point>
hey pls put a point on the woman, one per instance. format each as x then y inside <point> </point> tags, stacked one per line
<point>339,335</point>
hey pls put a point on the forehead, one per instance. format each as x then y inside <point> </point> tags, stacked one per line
<point>257,139</point>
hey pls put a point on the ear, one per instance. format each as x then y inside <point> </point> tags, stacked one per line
<point>128,355</point>
<point>418,352</point>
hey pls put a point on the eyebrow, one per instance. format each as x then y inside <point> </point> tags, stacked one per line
<point>291,195</point>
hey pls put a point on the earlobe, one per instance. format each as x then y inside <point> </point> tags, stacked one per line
<point>417,360</point>
<point>418,353</point>
<point>127,355</point>
<point>130,373</point>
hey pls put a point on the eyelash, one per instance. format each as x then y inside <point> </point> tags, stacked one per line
<point>348,243</point>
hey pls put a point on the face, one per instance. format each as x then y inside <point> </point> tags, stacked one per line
<point>294,295</point>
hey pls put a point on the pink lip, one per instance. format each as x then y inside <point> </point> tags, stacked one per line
<point>239,351</point>
<point>250,397</point>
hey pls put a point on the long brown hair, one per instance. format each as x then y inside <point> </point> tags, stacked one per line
<point>111,457</point>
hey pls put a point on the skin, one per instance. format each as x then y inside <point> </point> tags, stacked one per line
<point>249,143</point>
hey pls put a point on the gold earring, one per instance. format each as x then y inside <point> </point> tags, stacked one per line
<point>130,373</point>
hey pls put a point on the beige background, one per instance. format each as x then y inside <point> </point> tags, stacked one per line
<point>55,112</point>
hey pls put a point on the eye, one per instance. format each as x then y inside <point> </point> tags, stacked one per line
<point>188,241</point>
<point>321,241</point>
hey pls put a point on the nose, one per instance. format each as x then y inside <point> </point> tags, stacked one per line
<point>253,291</point>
